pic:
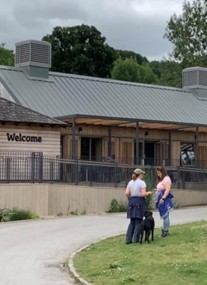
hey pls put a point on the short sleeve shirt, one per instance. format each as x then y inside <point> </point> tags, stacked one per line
<point>161,184</point>
<point>135,187</point>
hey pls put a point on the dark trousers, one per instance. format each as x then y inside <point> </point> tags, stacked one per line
<point>134,230</point>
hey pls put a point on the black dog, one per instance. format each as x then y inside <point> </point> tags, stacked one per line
<point>147,227</point>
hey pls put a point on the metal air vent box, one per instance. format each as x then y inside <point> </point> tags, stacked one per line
<point>195,76</point>
<point>33,53</point>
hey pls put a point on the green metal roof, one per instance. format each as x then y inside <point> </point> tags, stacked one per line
<point>65,95</point>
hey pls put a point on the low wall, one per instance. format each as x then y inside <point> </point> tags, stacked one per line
<point>54,199</point>
<point>185,198</point>
<point>25,196</point>
<point>82,199</point>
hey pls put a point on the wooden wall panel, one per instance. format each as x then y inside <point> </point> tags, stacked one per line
<point>203,155</point>
<point>77,148</point>
<point>49,145</point>
<point>175,153</point>
<point>127,134</point>
<point>123,132</point>
<point>126,154</point>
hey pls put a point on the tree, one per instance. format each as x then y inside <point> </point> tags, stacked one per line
<point>80,50</point>
<point>126,70</point>
<point>168,72</point>
<point>147,74</point>
<point>6,56</point>
<point>188,34</point>
<point>123,54</point>
<point>129,70</point>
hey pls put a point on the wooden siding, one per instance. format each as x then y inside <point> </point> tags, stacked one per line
<point>175,153</point>
<point>127,151</point>
<point>203,155</point>
<point>127,132</point>
<point>123,141</point>
<point>50,144</point>
<point>154,135</point>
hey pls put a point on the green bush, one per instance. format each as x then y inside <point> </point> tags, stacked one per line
<point>117,206</point>
<point>16,214</point>
<point>5,215</point>
<point>21,214</point>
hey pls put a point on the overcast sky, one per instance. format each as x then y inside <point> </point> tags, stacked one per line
<point>136,25</point>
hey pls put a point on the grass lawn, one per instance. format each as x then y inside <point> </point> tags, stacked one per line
<point>180,259</point>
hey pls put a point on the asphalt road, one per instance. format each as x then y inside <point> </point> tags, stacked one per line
<point>35,252</point>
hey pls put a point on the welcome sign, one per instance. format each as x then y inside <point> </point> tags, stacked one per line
<point>13,137</point>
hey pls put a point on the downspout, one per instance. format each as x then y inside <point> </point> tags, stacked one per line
<point>169,147</point>
<point>197,146</point>
<point>109,142</point>
<point>137,143</point>
<point>73,140</point>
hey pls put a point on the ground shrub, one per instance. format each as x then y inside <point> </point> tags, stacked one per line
<point>5,215</point>
<point>16,214</point>
<point>116,206</point>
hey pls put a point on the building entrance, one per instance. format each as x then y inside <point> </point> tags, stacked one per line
<point>146,152</point>
<point>150,153</point>
<point>91,148</point>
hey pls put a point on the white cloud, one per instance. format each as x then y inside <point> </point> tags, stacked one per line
<point>137,25</point>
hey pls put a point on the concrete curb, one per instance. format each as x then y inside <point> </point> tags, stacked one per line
<point>71,267</point>
<point>72,270</point>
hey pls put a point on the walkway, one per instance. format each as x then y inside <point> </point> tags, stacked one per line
<point>34,252</point>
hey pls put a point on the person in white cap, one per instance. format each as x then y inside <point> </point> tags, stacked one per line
<point>136,193</point>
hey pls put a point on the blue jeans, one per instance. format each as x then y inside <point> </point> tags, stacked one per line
<point>166,222</point>
<point>134,230</point>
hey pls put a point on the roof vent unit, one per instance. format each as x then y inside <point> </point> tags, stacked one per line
<point>195,80</point>
<point>34,57</point>
<point>195,76</point>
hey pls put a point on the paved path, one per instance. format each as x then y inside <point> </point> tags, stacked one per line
<point>33,252</point>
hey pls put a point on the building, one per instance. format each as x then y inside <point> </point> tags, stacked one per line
<point>26,137</point>
<point>22,129</point>
<point>136,123</point>
<point>96,120</point>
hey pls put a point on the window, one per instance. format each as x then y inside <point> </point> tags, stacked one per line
<point>187,154</point>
